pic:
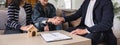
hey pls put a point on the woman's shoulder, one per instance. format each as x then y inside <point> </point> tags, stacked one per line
<point>50,4</point>
<point>12,7</point>
<point>28,4</point>
<point>38,4</point>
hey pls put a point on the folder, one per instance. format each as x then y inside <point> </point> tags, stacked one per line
<point>55,36</point>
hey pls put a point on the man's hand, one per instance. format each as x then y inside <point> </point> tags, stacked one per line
<point>79,32</point>
<point>59,20</point>
<point>56,20</point>
<point>52,20</point>
<point>46,28</point>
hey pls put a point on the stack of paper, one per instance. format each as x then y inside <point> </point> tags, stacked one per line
<point>50,37</point>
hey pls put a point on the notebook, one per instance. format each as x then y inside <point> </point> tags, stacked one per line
<point>56,36</point>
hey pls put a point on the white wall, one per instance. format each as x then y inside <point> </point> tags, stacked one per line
<point>116,0</point>
<point>61,4</point>
<point>116,26</point>
<point>76,4</point>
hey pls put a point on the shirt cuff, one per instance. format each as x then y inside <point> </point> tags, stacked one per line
<point>87,30</point>
<point>44,21</point>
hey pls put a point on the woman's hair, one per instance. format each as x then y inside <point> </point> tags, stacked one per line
<point>16,3</point>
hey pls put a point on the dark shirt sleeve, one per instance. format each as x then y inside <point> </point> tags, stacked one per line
<point>52,11</point>
<point>29,12</point>
<point>36,16</point>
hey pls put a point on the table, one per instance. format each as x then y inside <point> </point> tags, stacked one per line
<point>1,32</point>
<point>23,39</point>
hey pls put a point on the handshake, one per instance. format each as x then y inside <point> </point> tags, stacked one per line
<point>56,20</point>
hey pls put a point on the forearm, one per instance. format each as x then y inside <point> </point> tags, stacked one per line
<point>13,24</point>
<point>73,16</point>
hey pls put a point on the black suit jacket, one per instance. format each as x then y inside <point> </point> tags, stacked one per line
<point>102,16</point>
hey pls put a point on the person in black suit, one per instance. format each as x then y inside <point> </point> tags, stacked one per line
<point>96,21</point>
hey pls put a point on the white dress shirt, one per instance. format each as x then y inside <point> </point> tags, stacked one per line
<point>89,15</point>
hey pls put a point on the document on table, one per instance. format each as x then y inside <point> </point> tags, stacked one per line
<point>56,36</point>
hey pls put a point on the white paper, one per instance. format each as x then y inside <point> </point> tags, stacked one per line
<point>49,37</point>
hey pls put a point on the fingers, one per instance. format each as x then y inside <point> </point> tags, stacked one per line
<point>50,20</point>
<point>46,28</point>
<point>24,28</point>
<point>74,32</point>
<point>56,20</point>
<point>79,32</point>
<point>60,19</point>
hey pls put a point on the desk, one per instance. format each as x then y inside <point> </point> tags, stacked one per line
<point>23,39</point>
<point>1,32</point>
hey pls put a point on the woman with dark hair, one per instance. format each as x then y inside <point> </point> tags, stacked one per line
<point>19,17</point>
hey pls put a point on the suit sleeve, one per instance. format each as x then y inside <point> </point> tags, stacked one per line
<point>73,16</point>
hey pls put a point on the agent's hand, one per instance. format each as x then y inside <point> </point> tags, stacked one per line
<point>56,20</point>
<point>59,20</point>
<point>79,32</point>
<point>52,20</point>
